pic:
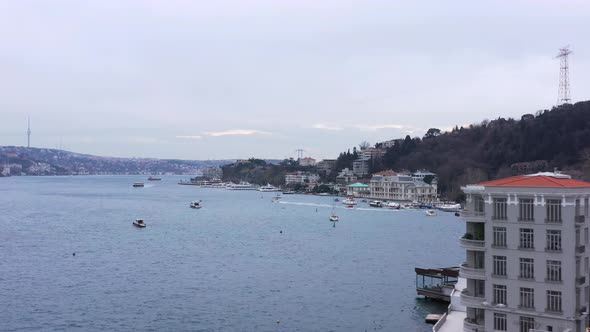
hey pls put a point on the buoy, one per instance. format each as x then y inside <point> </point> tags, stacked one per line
<point>278,321</point>
<point>73,254</point>
<point>281,232</point>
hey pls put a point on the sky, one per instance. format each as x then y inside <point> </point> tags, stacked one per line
<point>239,79</point>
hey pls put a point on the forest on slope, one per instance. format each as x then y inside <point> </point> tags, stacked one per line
<point>560,138</point>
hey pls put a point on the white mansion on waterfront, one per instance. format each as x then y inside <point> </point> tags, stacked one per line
<point>394,186</point>
<point>526,263</point>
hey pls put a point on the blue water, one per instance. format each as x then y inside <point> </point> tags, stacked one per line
<point>225,267</point>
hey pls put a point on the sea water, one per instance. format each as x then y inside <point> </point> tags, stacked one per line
<point>70,259</point>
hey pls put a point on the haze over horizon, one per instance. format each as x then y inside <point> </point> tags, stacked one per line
<point>226,80</point>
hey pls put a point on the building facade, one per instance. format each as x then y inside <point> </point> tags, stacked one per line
<point>346,176</point>
<point>393,186</point>
<point>526,263</point>
<point>360,167</point>
<point>301,177</point>
<point>307,161</point>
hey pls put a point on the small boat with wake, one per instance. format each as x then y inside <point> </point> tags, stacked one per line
<point>430,213</point>
<point>138,185</point>
<point>139,223</point>
<point>196,204</point>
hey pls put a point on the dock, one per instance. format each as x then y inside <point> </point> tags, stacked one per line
<point>436,283</point>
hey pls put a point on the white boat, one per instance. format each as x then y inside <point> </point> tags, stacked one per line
<point>268,188</point>
<point>333,218</point>
<point>376,203</point>
<point>393,205</point>
<point>349,201</point>
<point>430,213</point>
<point>139,223</point>
<point>196,204</point>
<point>138,184</point>
<point>241,186</point>
<point>450,207</point>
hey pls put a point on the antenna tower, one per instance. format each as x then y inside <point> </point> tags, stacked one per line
<point>299,153</point>
<point>29,133</point>
<point>563,94</point>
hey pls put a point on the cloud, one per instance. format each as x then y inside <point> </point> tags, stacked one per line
<point>189,136</point>
<point>385,126</point>
<point>325,127</point>
<point>233,132</point>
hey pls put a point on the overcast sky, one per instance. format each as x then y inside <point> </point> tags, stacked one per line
<point>235,79</point>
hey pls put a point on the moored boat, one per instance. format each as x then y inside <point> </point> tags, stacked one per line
<point>393,205</point>
<point>139,223</point>
<point>376,203</point>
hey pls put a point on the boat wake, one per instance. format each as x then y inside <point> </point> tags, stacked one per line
<point>306,204</point>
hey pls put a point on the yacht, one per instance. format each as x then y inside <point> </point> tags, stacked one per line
<point>349,201</point>
<point>394,205</point>
<point>376,203</point>
<point>138,184</point>
<point>139,223</point>
<point>268,187</point>
<point>450,207</point>
<point>196,204</point>
<point>241,186</point>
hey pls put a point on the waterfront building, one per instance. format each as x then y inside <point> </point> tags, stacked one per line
<point>527,262</point>
<point>346,176</point>
<point>307,161</point>
<point>394,186</point>
<point>358,190</point>
<point>421,174</point>
<point>301,178</point>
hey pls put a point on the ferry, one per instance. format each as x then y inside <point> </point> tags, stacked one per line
<point>241,186</point>
<point>152,178</point>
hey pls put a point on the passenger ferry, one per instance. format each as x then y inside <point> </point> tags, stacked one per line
<point>241,186</point>
<point>268,187</point>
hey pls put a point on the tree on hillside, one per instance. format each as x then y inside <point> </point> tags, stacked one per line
<point>364,145</point>
<point>432,132</point>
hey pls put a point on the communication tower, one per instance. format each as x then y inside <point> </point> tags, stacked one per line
<point>563,94</point>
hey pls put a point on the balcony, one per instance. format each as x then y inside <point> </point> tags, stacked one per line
<point>553,221</point>
<point>473,216</point>
<point>473,325</point>
<point>471,301</point>
<point>580,220</point>
<point>580,250</point>
<point>478,245</point>
<point>471,273</point>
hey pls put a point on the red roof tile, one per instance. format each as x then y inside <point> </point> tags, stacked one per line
<point>535,181</point>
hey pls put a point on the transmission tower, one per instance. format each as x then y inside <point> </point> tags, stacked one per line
<point>563,95</point>
<point>299,153</point>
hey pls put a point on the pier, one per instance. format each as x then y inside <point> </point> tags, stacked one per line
<point>436,283</point>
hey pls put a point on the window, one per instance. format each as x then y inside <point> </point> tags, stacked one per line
<point>478,205</point>
<point>527,238</point>
<point>553,301</point>
<point>500,207</point>
<point>527,268</point>
<point>527,298</point>
<point>526,323</point>
<point>525,209</point>
<point>553,210</point>
<point>499,294</point>
<point>500,265</point>
<point>553,240</point>
<point>500,322</point>
<point>553,270</point>
<point>499,237</point>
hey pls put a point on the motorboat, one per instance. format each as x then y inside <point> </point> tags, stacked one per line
<point>349,201</point>
<point>430,213</point>
<point>268,188</point>
<point>289,192</point>
<point>276,198</point>
<point>394,205</point>
<point>196,204</point>
<point>450,207</point>
<point>333,218</point>
<point>138,184</point>
<point>336,200</point>
<point>152,178</point>
<point>139,223</point>
<point>376,203</point>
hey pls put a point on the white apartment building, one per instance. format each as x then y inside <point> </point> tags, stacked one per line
<point>307,161</point>
<point>346,176</point>
<point>301,177</point>
<point>394,186</point>
<point>360,166</point>
<point>526,257</point>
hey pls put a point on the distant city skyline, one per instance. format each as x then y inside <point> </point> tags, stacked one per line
<point>232,79</point>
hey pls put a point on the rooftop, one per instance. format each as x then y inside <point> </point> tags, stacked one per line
<point>358,185</point>
<point>545,179</point>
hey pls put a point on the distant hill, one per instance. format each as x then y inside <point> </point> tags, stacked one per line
<point>40,161</point>
<point>557,138</point>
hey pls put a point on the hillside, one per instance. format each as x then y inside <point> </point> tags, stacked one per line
<point>39,161</point>
<point>557,138</point>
